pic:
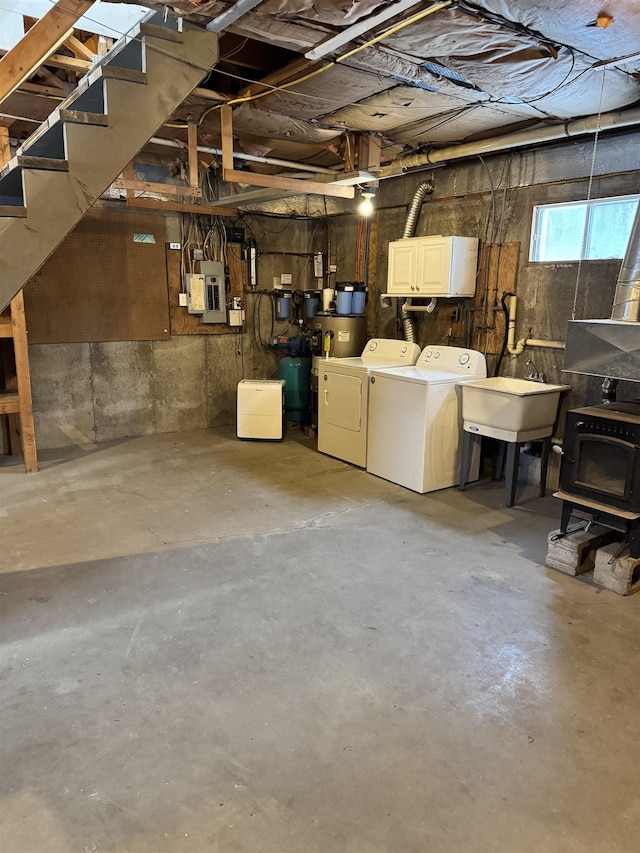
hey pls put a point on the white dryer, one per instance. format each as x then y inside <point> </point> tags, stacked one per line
<point>415,419</point>
<point>343,396</point>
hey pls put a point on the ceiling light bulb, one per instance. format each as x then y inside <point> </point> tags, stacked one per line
<point>366,205</point>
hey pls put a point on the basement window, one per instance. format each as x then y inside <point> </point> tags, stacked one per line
<point>582,230</point>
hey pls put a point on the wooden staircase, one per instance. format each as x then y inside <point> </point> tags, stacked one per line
<point>77,153</point>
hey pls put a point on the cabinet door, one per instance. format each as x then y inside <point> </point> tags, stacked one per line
<point>434,263</point>
<point>402,267</point>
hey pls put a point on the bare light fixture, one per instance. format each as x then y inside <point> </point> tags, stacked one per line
<point>366,203</point>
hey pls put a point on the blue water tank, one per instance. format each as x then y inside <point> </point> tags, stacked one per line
<point>296,372</point>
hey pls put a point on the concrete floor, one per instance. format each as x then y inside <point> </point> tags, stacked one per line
<point>219,646</point>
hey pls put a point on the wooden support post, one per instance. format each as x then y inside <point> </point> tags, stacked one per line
<point>129,175</point>
<point>369,151</point>
<point>17,374</point>
<point>5,148</point>
<point>226,130</point>
<point>23,376</point>
<point>19,63</point>
<point>192,137</point>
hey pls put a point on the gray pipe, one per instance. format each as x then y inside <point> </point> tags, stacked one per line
<point>626,302</point>
<point>409,230</point>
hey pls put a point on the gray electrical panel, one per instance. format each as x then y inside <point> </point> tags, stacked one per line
<point>215,302</point>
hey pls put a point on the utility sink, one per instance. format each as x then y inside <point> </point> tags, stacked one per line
<point>510,409</point>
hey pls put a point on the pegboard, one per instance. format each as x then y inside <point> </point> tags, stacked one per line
<point>100,285</point>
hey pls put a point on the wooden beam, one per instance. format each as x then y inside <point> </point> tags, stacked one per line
<point>79,50</point>
<point>51,78</point>
<point>69,63</point>
<point>18,64</point>
<point>283,183</point>
<point>5,148</point>
<point>192,137</point>
<point>369,150</point>
<point>161,189</point>
<point>23,375</point>
<point>182,207</point>
<point>295,69</point>
<point>209,94</point>
<point>226,130</point>
<point>129,175</point>
<point>38,89</point>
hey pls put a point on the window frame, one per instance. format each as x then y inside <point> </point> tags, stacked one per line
<point>590,204</point>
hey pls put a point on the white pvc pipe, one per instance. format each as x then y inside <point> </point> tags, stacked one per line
<point>535,342</point>
<point>518,139</point>
<point>513,348</point>
<point>251,158</point>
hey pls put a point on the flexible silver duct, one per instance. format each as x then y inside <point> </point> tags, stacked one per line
<point>411,222</point>
<point>626,302</point>
<point>409,230</point>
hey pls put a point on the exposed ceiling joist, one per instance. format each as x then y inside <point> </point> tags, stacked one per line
<point>44,37</point>
<point>281,182</point>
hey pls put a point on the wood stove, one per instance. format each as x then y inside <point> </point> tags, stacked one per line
<point>601,459</point>
<point>600,468</point>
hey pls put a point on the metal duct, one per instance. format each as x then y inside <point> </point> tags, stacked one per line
<point>411,222</point>
<point>409,230</point>
<point>626,301</point>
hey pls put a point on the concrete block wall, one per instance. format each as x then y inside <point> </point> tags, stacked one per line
<point>85,393</point>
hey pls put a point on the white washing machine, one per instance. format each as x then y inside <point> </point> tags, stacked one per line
<point>343,395</point>
<point>415,419</point>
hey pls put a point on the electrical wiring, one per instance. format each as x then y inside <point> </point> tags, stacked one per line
<point>380,37</point>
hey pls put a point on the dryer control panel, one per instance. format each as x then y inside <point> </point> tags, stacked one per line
<point>452,359</point>
<point>388,351</point>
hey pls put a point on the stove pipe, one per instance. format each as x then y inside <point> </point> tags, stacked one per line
<point>626,302</point>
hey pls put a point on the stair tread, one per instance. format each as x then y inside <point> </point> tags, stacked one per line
<point>16,210</point>
<point>27,161</point>
<point>115,72</point>
<point>157,31</point>
<point>81,117</point>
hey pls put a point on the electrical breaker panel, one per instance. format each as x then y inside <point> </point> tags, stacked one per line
<point>215,304</point>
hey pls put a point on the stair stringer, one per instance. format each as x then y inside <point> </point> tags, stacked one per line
<point>55,200</point>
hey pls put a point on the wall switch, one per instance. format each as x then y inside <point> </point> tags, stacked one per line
<point>175,246</point>
<point>182,300</point>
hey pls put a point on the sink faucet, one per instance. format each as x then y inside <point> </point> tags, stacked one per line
<point>535,374</point>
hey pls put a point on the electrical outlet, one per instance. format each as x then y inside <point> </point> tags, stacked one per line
<point>175,246</point>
